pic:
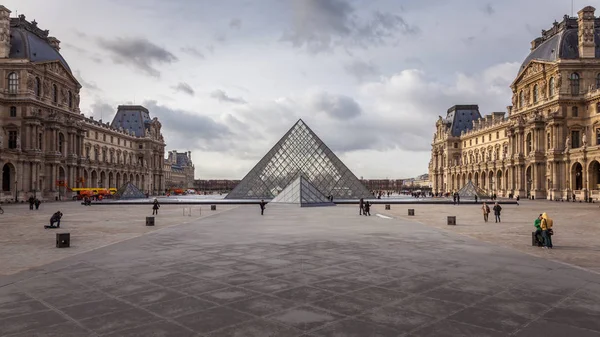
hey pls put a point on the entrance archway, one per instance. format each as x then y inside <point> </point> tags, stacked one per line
<point>594,175</point>
<point>8,177</point>
<point>476,179</point>
<point>119,184</point>
<point>102,180</point>
<point>577,176</point>
<point>483,181</point>
<point>111,181</point>
<point>499,184</point>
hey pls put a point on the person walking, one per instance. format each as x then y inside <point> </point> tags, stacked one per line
<point>486,211</point>
<point>457,199</point>
<point>476,198</point>
<point>454,199</point>
<point>547,231</point>
<point>367,209</point>
<point>262,207</point>
<point>37,203</point>
<point>31,202</point>
<point>497,210</point>
<point>155,207</point>
<point>361,205</point>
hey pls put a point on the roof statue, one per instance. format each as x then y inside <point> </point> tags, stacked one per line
<point>299,152</point>
<point>470,191</point>
<point>129,191</point>
<point>301,192</point>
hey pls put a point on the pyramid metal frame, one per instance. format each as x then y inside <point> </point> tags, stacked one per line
<point>299,152</point>
<point>129,191</point>
<point>302,192</point>
<point>470,191</point>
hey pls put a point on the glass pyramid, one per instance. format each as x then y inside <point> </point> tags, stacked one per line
<point>129,191</point>
<point>470,191</point>
<point>299,152</point>
<point>302,192</point>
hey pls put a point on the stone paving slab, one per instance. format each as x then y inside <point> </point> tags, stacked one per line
<point>335,274</point>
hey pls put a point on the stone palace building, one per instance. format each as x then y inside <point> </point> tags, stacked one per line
<point>547,145</point>
<point>46,145</point>
<point>179,170</point>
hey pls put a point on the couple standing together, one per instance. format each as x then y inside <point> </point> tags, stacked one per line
<point>486,211</point>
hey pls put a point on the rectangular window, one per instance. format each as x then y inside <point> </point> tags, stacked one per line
<point>40,141</point>
<point>470,142</point>
<point>490,136</point>
<point>140,146</point>
<point>465,143</point>
<point>111,139</point>
<point>96,135</point>
<point>456,145</point>
<point>598,136</point>
<point>575,139</point>
<point>575,111</point>
<point>497,134</point>
<point>118,141</point>
<point>12,139</point>
<point>104,137</point>
<point>476,140</point>
<point>13,111</point>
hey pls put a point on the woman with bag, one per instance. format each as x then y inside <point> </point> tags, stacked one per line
<point>547,232</point>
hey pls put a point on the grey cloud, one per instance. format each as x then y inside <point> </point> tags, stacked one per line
<point>193,52</point>
<point>235,24</point>
<point>102,111</point>
<point>336,106</point>
<point>222,96</point>
<point>85,84</point>
<point>361,70</point>
<point>184,88</point>
<point>185,129</point>
<point>488,9</point>
<point>139,53</point>
<point>320,25</point>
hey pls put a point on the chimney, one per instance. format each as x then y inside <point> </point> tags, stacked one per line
<point>585,27</point>
<point>4,32</point>
<point>54,43</point>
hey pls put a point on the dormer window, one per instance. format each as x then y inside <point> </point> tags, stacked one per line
<point>13,83</point>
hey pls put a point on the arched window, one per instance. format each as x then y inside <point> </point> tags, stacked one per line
<point>70,100</point>
<point>551,87</point>
<point>13,83</point>
<point>535,94</point>
<point>574,84</point>
<point>13,111</point>
<point>37,87</point>
<point>529,143</point>
<point>574,112</point>
<point>521,99</point>
<point>54,93</point>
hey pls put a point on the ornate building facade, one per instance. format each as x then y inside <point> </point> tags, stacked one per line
<point>179,170</point>
<point>46,145</point>
<point>548,144</point>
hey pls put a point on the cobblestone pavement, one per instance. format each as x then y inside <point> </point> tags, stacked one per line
<point>300,272</point>
<point>576,226</point>
<point>24,243</point>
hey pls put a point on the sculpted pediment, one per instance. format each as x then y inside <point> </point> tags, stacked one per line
<point>531,69</point>
<point>57,68</point>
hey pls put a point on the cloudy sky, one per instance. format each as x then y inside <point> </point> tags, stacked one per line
<point>228,78</point>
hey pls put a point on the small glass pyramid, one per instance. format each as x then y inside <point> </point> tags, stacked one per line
<point>299,152</point>
<point>129,191</point>
<point>470,191</point>
<point>302,192</point>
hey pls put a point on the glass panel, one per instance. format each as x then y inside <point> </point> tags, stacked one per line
<point>299,153</point>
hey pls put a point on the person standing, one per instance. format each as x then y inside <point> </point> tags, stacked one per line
<point>458,199</point>
<point>547,232</point>
<point>31,202</point>
<point>486,211</point>
<point>262,207</point>
<point>454,198</point>
<point>476,198</point>
<point>539,239</point>
<point>361,204</point>
<point>155,207</point>
<point>497,210</point>
<point>37,203</point>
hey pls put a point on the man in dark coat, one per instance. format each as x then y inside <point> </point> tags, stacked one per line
<point>55,219</point>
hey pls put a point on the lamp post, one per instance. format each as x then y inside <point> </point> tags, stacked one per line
<point>16,191</point>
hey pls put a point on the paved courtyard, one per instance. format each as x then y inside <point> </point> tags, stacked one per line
<point>293,272</point>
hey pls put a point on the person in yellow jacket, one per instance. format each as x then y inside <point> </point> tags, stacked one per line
<point>546,227</point>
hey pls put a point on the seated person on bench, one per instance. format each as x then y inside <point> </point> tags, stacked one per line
<point>55,218</point>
